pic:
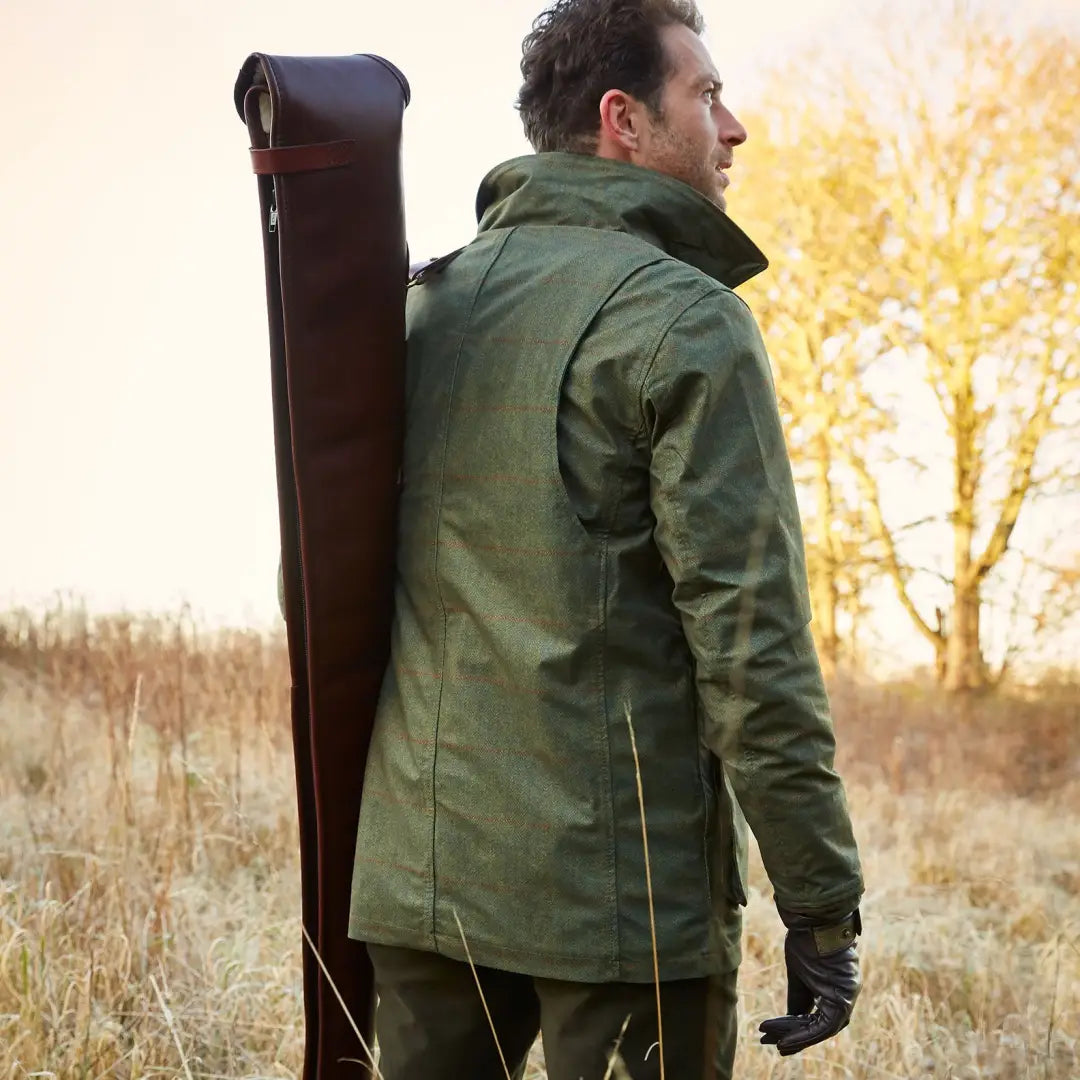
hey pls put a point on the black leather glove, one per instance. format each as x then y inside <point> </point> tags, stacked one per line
<point>823,981</point>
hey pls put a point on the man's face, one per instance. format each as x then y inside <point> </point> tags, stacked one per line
<point>695,137</point>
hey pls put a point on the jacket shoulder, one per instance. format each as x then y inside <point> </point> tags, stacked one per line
<point>684,289</point>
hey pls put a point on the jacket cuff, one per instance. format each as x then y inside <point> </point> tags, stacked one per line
<point>830,935</point>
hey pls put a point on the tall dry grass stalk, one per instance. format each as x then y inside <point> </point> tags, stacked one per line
<point>483,997</point>
<point>648,889</point>
<point>148,837</point>
<point>370,1056</point>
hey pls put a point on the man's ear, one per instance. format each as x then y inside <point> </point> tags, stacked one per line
<point>620,123</point>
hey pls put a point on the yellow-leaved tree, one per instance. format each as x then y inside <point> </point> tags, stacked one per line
<point>923,315</point>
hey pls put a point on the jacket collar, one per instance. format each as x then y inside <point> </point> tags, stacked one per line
<point>580,189</point>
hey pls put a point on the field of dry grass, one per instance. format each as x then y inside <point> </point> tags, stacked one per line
<point>149,893</point>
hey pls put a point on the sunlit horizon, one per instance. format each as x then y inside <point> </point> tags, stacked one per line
<point>135,412</point>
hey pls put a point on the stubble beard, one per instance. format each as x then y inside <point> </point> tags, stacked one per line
<point>678,157</point>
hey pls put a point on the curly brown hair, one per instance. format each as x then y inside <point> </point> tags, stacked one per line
<point>578,50</point>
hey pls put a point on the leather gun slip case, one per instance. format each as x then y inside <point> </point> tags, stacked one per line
<point>326,148</point>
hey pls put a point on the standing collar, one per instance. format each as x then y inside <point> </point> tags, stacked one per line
<point>597,193</point>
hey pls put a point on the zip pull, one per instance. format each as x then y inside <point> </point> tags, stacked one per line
<point>273,218</point>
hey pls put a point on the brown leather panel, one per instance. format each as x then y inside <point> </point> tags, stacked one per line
<point>335,300</point>
<point>290,159</point>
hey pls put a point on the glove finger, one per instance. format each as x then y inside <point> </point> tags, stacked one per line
<point>822,1024</point>
<point>800,998</point>
<point>778,1028</point>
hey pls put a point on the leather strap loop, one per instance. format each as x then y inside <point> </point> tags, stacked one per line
<point>309,158</point>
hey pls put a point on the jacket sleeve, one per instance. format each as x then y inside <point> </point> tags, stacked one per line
<point>728,529</point>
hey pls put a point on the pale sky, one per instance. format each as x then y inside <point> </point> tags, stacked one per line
<point>136,455</point>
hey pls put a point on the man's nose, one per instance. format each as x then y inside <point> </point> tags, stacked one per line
<point>732,133</point>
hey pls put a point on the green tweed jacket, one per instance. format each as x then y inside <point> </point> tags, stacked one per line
<point>597,523</point>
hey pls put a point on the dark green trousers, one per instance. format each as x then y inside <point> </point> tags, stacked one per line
<point>430,1023</point>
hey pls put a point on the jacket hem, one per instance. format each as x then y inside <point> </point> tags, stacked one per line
<point>545,965</point>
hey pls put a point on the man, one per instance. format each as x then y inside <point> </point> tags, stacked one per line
<point>600,577</point>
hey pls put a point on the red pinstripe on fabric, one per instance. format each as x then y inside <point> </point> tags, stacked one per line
<point>472,679</point>
<point>460,545</point>
<point>447,745</point>
<point>554,624</point>
<point>548,409</point>
<point>508,477</point>
<point>393,800</point>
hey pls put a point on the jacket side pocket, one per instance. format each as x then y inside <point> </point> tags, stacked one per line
<point>731,838</point>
